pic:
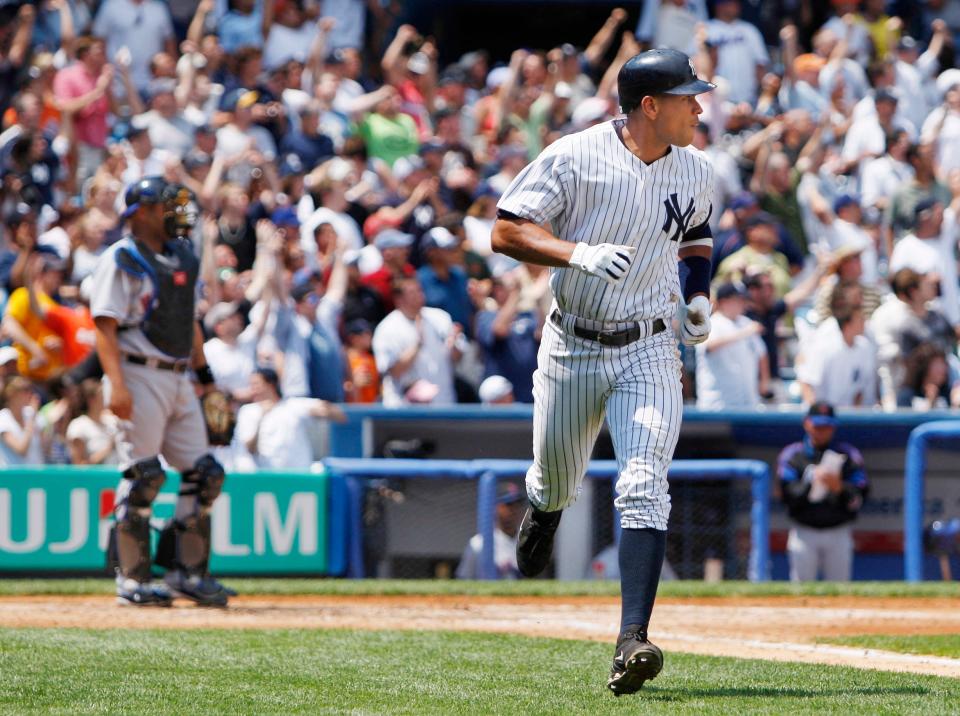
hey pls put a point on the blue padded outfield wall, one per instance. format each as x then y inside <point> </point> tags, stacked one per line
<point>55,518</point>
<point>471,432</point>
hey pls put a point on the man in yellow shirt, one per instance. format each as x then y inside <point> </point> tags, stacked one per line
<point>38,346</point>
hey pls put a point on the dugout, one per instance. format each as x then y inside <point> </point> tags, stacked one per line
<point>714,516</point>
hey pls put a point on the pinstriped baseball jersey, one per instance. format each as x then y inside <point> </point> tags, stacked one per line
<point>591,188</point>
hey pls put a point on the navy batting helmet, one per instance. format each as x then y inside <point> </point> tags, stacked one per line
<point>657,72</point>
<point>149,190</point>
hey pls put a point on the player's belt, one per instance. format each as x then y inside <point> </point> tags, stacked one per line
<point>612,338</point>
<point>176,366</point>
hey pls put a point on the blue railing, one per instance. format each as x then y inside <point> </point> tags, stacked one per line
<point>862,427</point>
<point>915,469</point>
<point>488,472</point>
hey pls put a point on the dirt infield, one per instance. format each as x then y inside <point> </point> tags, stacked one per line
<point>776,628</point>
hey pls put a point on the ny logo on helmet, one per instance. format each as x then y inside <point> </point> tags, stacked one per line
<point>676,216</point>
<point>693,70</point>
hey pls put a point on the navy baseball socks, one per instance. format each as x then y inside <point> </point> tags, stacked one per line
<point>636,660</point>
<point>535,540</point>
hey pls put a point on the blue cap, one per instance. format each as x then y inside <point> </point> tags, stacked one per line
<point>509,494</point>
<point>291,164</point>
<point>923,205</point>
<point>743,200</point>
<point>731,290</point>
<point>821,413</point>
<point>843,201</point>
<point>285,216</point>
<point>485,189</point>
<point>392,239</point>
<point>432,145</point>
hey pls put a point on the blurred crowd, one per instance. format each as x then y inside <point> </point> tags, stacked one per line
<point>346,183</point>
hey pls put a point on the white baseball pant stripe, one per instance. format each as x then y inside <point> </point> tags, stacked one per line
<point>637,387</point>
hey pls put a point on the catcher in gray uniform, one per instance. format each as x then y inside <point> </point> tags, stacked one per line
<point>143,303</point>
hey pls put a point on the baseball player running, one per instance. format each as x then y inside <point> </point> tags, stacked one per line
<point>143,307</point>
<point>612,209</point>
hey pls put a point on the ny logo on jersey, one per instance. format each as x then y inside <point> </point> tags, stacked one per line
<point>675,215</point>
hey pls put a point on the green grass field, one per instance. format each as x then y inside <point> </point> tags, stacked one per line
<point>533,588</point>
<point>931,645</point>
<point>248,671</point>
<point>283,672</point>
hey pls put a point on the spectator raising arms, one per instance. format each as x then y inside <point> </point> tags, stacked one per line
<point>345,168</point>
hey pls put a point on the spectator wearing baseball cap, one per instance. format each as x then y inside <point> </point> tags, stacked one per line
<point>508,332</point>
<point>733,369</point>
<point>319,346</point>
<point>363,379</point>
<point>845,272</point>
<point>927,249</point>
<point>443,279</point>
<point>360,301</point>
<point>394,246</point>
<point>744,207</point>
<point>900,215</point>
<point>511,502</point>
<point>761,238</point>
<point>231,349</point>
<point>496,390</point>
<point>823,485</point>
<point>234,139</point>
<point>307,142</point>
<point>846,230</point>
<point>169,130</point>
<point>765,308</point>
<point>867,135</point>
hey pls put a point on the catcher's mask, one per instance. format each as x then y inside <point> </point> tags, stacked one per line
<point>179,211</point>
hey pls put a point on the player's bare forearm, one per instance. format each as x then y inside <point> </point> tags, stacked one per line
<point>525,241</point>
<point>108,348</point>
<point>199,360</point>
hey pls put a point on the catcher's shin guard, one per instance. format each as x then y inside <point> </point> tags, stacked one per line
<point>189,532</point>
<point>133,518</point>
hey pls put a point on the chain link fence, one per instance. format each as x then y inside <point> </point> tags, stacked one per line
<point>417,528</point>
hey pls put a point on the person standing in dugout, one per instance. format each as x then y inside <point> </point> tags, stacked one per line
<point>606,350</point>
<point>143,303</point>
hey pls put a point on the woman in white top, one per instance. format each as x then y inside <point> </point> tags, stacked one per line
<point>92,437</point>
<point>20,429</point>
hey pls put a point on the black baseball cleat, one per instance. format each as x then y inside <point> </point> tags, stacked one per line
<point>636,661</point>
<point>535,541</point>
<point>131,593</point>
<point>202,589</point>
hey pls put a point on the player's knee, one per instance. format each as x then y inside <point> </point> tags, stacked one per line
<point>552,500</point>
<point>205,480</point>
<point>146,478</point>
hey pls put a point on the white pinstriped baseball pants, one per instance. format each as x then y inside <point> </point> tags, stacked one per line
<point>637,387</point>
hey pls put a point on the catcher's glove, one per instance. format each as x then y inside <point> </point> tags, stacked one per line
<point>218,417</point>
